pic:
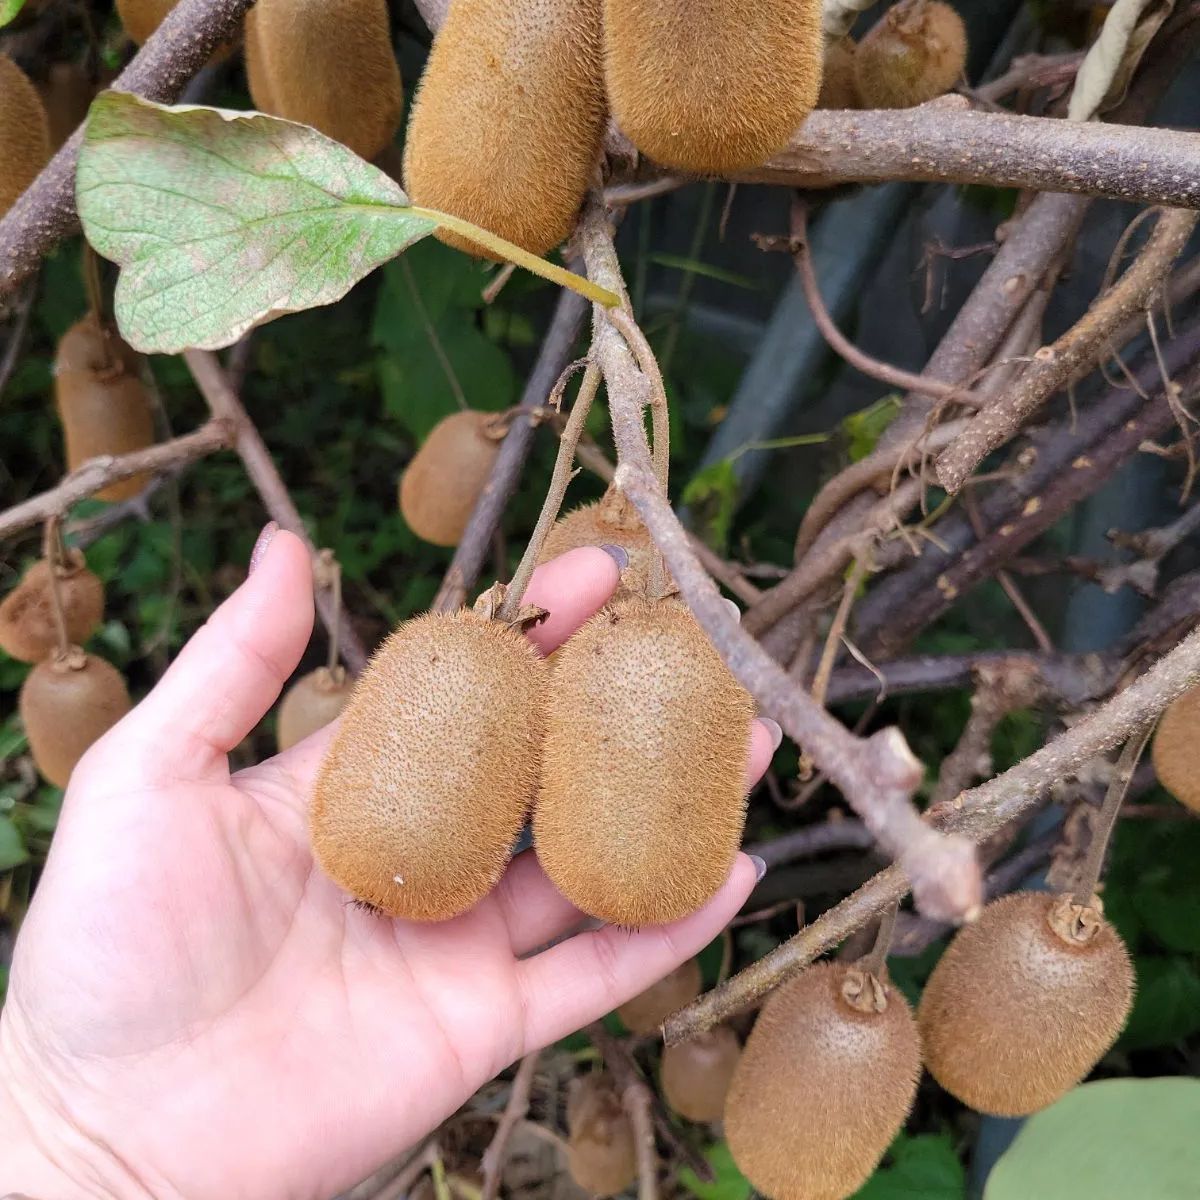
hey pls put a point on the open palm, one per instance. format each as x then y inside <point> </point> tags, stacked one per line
<point>195,1010</point>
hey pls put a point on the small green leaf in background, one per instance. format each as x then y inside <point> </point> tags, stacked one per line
<point>711,494</point>
<point>1166,1006</point>
<point>9,10</point>
<point>1118,1139</point>
<point>729,1183</point>
<point>924,1167</point>
<point>12,846</point>
<point>865,427</point>
<point>221,220</point>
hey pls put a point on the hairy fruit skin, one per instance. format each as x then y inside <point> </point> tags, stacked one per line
<point>507,122</point>
<point>646,1012</point>
<point>24,133</point>
<point>610,521</point>
<point>310,704</point>
<point>643,794</point>
<point>1015,1014</point>
<point>65,711</point>
<point>822,1087</point>
<point>433,768</point>
<point>600,1148</point>
<point>328,64</point>
<point>696,1074</point>
<point>441,484</point>
<point>28,630</point>
<point>712,86</point>
<point>838,88</point>
<point>915,52</point>
<point>1176,750</point>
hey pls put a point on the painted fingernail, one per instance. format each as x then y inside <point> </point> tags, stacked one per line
<point>774,730</point>
<point>733,608</point>
<point>618,554</point>
<point>269,530</point>
<point>760,867</point>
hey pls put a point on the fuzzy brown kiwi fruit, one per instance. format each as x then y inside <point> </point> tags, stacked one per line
<point>1024,1003</point>
<point>915,52</point>
<point>600,1148</point>
<point>824,1084</point>
<point>102,403</point>
<point>440,485</point>
<point>696,1074</point>
<point>27,627</point>
<point>1176,750</point>
<point>140,18</point>
<point>537,62</point>
<point>649,1009</point>
<point>66,704</point>
<point>643,793</point>
<point>24,133</point>
<point>610,521</point>
<point>328,64</point>
<point>712,88</point>
<point>431,773</point>
<point>311,703</point>
<point>838,89</point>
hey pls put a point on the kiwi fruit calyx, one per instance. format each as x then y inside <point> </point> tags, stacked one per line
<point>1077,924</point>
<point>864,992</point>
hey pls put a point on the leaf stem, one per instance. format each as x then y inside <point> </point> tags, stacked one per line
<point>52,551</point>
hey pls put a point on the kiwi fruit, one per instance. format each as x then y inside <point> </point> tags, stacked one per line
<point>1024,1003</point>
<point>328,64</point>
<point>712,88</point>
<point>28,630</point>
<point>24,133</point>
<point>66,93</point>
<point>649,1009</point>
<point>825,1082</point>
<point>601,1155</point>
<point>67,703</point>
<point>538,63</point>
<point>915,52</point>
<point>838,89</point>
<point>431,772</point>
<point>311,703</point>
<point>643,793</point>
<point>441,484</point>
<point>696,1074</point>
<point>1176,751</point>
<point>102,403</point>
<point>610,521</point>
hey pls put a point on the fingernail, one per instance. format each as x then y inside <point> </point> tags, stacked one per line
<point>733,608</point>
<point>269,530</point>
<point>774,730</point>
<point>618,554</point>
<point>760,867</point>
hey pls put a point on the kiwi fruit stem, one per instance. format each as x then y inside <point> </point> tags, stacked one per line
<point>874,962</point>
<point>1118,785</point>
<point>94,290</point>
<point>331,571</point>
<point>53,552</point>
<point>564,471</point>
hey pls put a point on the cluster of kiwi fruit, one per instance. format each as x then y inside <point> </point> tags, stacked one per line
<point>70,697</point>
<point>631,754</point>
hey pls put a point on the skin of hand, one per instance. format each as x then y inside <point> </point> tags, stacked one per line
<point>196,1011</point>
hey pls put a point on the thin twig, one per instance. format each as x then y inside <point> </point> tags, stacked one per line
<point>16,335</point>
<point>492,1165</point>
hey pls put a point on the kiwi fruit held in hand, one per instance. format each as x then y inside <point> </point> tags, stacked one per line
<point>915,52</point>
<point>696,1074</point>
<point>838,89</point>
<point>311,703</point>
<point>24,133</point>
<point>67,702</point>
<point>328,64</point>
<point>431,772</point>
<point>27,627</point>
<point>610,521</point>
<point>600,1147</point>
<point>824,1084</point>
<point>536,64</point>
<point>1024,1003</point>
<point>439,488</point>
<point>642,800</point>
<point>712,88</point>
<point>1176,751</point>
<point>649,1009</point>
<point>102,403</point>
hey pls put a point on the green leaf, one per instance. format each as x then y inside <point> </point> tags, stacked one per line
<point>925,1167</point>
<point>12,846</point>
<point>221,220</point>
<point>1166,1008</point>
<point>1111,1140</point>
<point>9,10</point>
<point>865,427</point>
<point>729,1183</point>
<point>712,495</point>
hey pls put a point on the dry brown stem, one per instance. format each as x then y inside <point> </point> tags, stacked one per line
<point>494,1156</point>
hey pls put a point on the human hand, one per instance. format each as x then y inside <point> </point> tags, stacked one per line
<point>195,1010</point>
